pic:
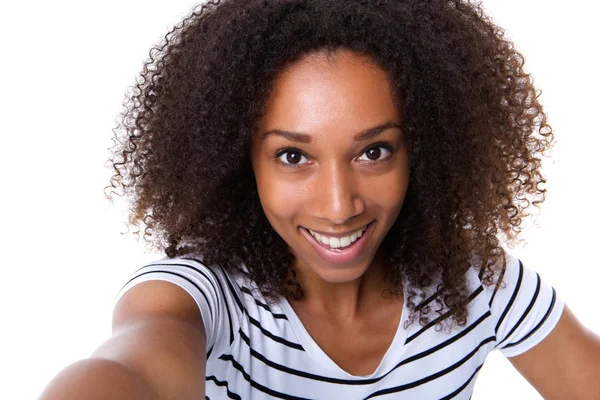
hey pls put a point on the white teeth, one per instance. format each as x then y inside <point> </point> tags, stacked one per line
<point>334,242</point>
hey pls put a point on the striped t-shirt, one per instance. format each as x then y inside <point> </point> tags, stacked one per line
<point>257,350</point>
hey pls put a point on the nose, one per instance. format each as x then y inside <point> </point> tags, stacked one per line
<point>335,196</point>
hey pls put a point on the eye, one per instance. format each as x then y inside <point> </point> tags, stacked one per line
<point>374,153</point>
<point>289,157</point>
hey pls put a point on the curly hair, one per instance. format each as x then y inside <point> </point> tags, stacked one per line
<point>471,117</point>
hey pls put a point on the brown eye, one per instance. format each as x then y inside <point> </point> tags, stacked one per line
<point>375,153</point>
<point>290,158</point>
<point>293,158</point>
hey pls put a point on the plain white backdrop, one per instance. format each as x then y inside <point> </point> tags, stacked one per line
<point>65,66</point>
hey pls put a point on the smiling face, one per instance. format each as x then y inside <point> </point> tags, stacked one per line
<point>329,157</point>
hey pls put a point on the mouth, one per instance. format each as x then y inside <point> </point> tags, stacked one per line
<point>339,250</point>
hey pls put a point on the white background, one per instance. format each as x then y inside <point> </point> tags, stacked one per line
<point>65,66</point>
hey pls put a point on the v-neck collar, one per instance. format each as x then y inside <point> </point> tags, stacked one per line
<point>389,360</point>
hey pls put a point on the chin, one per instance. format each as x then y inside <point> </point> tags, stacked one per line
<point>339,273</point>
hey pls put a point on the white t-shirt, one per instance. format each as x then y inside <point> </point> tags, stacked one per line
<point>261,351</point>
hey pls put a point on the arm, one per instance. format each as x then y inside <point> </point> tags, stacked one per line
<point>157,351</point>
<point>566,364</point>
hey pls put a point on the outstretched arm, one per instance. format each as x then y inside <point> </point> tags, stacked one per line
<point>157,351</point>
<point>566,364</point>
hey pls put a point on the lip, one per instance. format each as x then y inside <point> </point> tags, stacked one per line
<point>335,257</point>
<point>339,235</point>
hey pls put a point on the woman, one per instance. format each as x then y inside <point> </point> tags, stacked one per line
<point>328,180</point>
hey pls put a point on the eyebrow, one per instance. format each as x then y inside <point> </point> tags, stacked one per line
<point>304,138</point>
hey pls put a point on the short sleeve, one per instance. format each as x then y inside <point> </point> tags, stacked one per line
<point>209,287</point>
<point>525,308</point>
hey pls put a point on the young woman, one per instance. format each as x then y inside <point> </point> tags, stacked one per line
<point>331,182</point>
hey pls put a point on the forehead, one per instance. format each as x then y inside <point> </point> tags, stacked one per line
<point>318,92</point>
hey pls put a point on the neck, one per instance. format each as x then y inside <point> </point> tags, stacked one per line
<point>341,301</point>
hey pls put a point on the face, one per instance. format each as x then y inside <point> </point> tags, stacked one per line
<point>330,163</point>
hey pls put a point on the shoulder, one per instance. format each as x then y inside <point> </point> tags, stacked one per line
<point>524,307</point>
<point>189,272</point>
<point>215,291</point>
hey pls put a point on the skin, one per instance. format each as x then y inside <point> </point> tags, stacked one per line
<point>566,364</point>
<point>337,188</point>
<point>339,185</point>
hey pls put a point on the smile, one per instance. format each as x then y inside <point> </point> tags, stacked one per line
<point>335,242</point>
<point>339,250</point>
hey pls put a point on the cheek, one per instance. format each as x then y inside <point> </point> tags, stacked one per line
<point>387,190</point>
<point>280,199</point>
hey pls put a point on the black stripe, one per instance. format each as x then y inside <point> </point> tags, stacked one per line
<point>426,301</point>
<point>276,338</point>
<point>481,272</point>
<point>497,285</point>
<point>525,313</point>
<point>512,298</point>
<point>442,317</point>
<point>191,266</point>
<point>296,372</point>
<point>456,337</point>
<point>550,308</point>
<point>261,304</point>
<point>436,294</point>
<point>415,357</point>
<point>217,382</point>
<point>264,389</point>
<point>233,291</point>
<point>432,377</point>
<point>463,386</point>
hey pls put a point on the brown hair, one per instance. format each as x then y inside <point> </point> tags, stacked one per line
<point>471,116</point>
